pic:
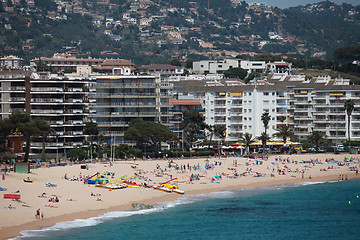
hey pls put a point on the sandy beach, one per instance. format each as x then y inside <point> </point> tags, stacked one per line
<point>196,176</point>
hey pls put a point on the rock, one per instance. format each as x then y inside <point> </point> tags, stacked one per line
<point>141,206</point>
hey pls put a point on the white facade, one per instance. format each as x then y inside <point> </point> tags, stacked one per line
<point>253,66</point>
<point>11,62</point>
<point>241,111</point>
<point>306,105</point>
<point>219,66</point>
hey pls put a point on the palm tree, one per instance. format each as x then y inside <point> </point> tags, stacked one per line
<point>220,130</point>
<point>247,139</point>
<point>349,106</point>
<point>283,132</point>
<point>317,138</point>
<point>264,138</point>
<point>211,130</point>
<point>265,118</point>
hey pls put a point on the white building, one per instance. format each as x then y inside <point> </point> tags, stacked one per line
<point>305,104</point>
<point>11,62</point>
<point>219,66</point>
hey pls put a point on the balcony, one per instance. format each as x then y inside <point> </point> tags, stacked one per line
<point>17,99</point>
<point>40,144</point>
<point>113,133</point>
<point>75,89</point>
<point>17,88</point>
<point>74,133</point>
<point>79,100</point>
<point>43,111</point>
<point>47,100</point>
<point>220,113</point>
<point>75,111</point>
<point>17,110</point>
<point>45,90</point>
<point>113,124</point>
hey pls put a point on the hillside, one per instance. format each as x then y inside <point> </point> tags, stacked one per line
<point>148,31</point>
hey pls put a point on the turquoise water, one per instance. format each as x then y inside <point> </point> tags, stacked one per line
<point>306,211</point>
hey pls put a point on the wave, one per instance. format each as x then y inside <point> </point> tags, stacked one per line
<point>186,199</point>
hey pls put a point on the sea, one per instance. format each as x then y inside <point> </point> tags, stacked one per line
<point>294,3</point>
<point>320,210</point>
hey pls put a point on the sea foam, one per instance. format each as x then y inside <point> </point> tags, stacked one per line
<point>186,199</point>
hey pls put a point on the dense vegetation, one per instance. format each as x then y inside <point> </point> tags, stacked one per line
<point>49,27</point>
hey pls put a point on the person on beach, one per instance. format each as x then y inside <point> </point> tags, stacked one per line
<point>37,215</point>
<point>42,215</point>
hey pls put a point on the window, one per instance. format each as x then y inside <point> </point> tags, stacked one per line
<point>250,118</point>
<point>249,101</point>
<point>249,126</point>
<point>220,66</point>
<point>273,110</point>
<point>249,93</point>
<point>245,118</point>
<point>273,93</point>
<point>249,110</point>
<point>244,110</point>
<point>266,101</point>
<point>266,93</point>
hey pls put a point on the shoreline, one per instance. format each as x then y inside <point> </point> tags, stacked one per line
<point>15,231</point>
<point>85,206</point>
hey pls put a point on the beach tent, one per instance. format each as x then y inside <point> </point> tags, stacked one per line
<point>22,167</point>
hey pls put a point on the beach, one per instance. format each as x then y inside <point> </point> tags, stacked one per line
<point>77,200</point>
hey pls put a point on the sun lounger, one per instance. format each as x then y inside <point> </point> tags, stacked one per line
<point>50,185</point>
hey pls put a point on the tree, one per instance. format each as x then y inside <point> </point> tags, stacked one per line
<point>264,138</point>
<point>77,153</point>
<point>283,132</point>
<point>175,62</point>
<point>235,73</point>
<point>349,106</point>
<point>92,130</point>
<point>5,128</point>
<point>265,118</point>
<point>189,63</point>
<point>317,138</point>
<point>247,139</point>
<point>149,132</point>
<point>22,123</point>
<point>220,131</point>
<point>29,130</point>
<point>192,125</point>
<point>211,130</point>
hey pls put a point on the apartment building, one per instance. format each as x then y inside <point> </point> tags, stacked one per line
<point>61,63</point>
<point>11,62</point>
<point>220,66</point>
<point>306,104</point>
<point>122,98</point>
<point>165,71</point>
<point>59,100</point>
